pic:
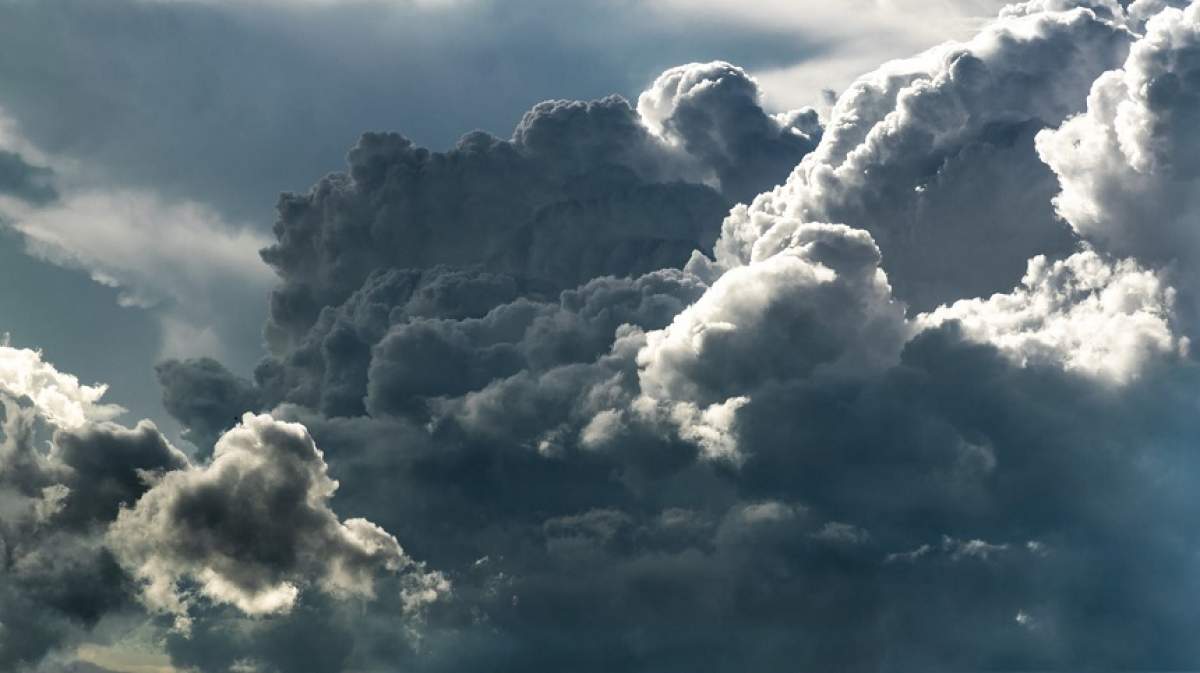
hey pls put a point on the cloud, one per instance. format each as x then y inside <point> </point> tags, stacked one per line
<point>56,395</point>
<point>205,396</point>
<point>251,528</point>
<point>1127,165</point>
<point>197,278</point>
<point>1082,314</point>
<point>713,112</point>
<point>580,181</point>
<point>933,156</point>
<point>822,297</point>
<point>97,515</point>
<point>64,472</point>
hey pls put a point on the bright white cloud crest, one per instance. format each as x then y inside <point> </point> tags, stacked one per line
<point>57,396</point>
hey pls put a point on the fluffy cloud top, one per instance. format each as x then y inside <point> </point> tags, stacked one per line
<point>1127,166</point>
<point>56,395</point>
<point>1082,313</point>
<point>64,473</point>
<point>934,157</point>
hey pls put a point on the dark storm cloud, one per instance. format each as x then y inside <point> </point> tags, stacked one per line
<point>205,397</point>
<point>810,553</point>
<point>1127,166</point>
<point>139,102</point>
<point>97,515</point>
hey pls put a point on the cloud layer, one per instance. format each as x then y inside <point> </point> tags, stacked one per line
<point>681,386</point>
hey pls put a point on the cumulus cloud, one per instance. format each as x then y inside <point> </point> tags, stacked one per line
<point>96,515</point>
<point>581,190</point>
<point>713,112</point>
<point>65,470</point>
<point>1127,166</point>
<point>205,397</point>
<point>251,528</point>
<point>822,298</point>
<point>56,395</point>
<point>1083,313</point>
<point>933,156</point>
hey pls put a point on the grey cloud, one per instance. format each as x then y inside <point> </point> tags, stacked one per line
<point>328,369</point>
<point>713,111</point>
<point>581,190</point>
<point>251,528</point>
<point>1127,166</point>
<point>25,181</point>
<point>94,515</point>
<point>110,466</point>
<point>205,397</point>
<point>519,337</point>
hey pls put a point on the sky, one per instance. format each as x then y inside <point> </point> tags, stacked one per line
<point>626,335</point>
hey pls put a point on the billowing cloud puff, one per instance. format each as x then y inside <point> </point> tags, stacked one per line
<point>56,395</point>
<point>712,111</point>
<point>251,528</point>
<point>1128,166</point>
<point>205,396</point>
<point>819,306</point>
<point>822,302</point>
<point>64,473</point>
<point>94,515</point>
<point>1082,314</point>
<point>934,157</point>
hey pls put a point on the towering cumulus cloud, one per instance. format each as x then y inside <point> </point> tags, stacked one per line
<point>684,386</point>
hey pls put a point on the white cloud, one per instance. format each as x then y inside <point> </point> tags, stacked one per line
<point>1084,313</point>
<point>1129,166</point>
<point>56,396</point>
